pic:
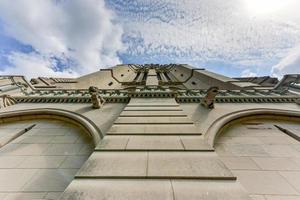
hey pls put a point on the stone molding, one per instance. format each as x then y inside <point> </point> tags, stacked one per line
<point>216,127</point>
<point>239,99</point>
<point>52,113</point>
<point>68,99</point>
<point>126,98</point>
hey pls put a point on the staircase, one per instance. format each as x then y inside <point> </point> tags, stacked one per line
<point>154,151</point>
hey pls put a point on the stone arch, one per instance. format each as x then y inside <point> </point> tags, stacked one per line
<point>59,114</point>
<point>263,157</point>
<point>41,162</point>
<point>216,128</point>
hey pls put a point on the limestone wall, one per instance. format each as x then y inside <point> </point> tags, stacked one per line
<point>264,159</point>
<point>42,162</point>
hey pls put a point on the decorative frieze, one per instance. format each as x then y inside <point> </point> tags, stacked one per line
<point>125,99</point>
<point>181,95</point>
<point>68,100</point>
<point>257,99</point>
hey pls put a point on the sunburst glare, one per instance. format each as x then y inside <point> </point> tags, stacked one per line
<point>263,7</point>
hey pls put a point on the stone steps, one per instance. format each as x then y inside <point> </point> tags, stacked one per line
<point>153,143</point>
<point>153,113</point>
<point>185,165</point>
<point>154,151</point>
<point>153,120</point>
<point>153,129</point>
<point>152,189</point>
<point>153,108</point>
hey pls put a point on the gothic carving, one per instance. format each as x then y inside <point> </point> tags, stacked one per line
<point>209,99</point>
<point>181,95</point>
<point>97,101</point>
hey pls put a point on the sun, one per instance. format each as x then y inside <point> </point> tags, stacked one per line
<point>262,7</point>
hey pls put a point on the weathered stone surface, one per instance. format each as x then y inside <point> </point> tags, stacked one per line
<point>153,120</point>
<point>108,189</point>
<point>263,158</point>
<point>23,149</point>
<point>34,139</point>
<point>150,101</point>
<point>153,108</point>
<point>276,163</point>
<point>115,164</point>
<point>281,150</point>
<point>153,190</point>
<point>24,195</point>
<point>239,140</point>
<point>26,169</point>
<point>154,129</point>
<point>294,132</point>
<point>262,182</point>
<point>15,179</point>
<point>40,162</point>
<point>247,150</point>
<point>113,142</point>
<point>11,161</point>
<point>156,164</point>
<point>240,163</point>
<point>195,143</point>
<point>9,135</point>
<point>187,165</point>
<point>62,149</point>
<point>210,190</point>
<point>282,197</point>
<point>293,178</point>
<point>153,113</point>
<point>50,180</point>
<point>154,143</point>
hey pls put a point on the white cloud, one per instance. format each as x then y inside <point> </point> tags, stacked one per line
<point>80,30</point>
<point>201,31</point>
<point>289,64</point>
<point>33,65</point>
<point>248,73</point>
<point>185,31</point>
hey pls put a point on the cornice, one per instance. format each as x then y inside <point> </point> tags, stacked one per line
<point>124,97</point>
<point>24,99</point>
<point>237,99</point>
<point>181,95</point>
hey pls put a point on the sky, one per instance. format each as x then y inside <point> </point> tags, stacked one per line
<point>70,38</point>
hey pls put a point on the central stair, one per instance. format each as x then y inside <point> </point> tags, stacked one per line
<point>154,151</point>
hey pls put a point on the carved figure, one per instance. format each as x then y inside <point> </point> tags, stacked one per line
<point>97,101</point>
<point>209,99</point>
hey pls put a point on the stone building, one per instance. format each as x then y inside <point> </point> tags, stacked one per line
<point>160,132</point>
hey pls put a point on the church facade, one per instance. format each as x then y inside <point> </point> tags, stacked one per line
<point>150,132</point>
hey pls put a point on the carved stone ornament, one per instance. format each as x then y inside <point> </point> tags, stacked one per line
<point>97,101</point>
<point>209,99</point>
<point>7,100</point>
